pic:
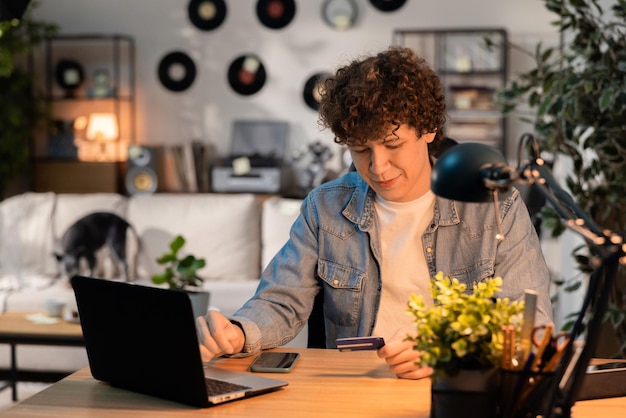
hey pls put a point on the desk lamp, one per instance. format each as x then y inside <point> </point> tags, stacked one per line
<point>102,128</point>
<point>474,172</point>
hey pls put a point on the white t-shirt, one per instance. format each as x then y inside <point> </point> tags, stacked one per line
<point>403,270</point>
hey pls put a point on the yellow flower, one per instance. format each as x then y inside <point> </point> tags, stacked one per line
<point>461,330</point>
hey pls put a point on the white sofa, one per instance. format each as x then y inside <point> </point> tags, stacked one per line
<point>237,234</point>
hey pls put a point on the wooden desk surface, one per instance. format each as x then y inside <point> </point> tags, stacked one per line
<point>17,324</point>
<point>325,383</point>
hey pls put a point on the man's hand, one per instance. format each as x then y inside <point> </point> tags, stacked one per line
<point>218,336</point>
<point>400,356</point>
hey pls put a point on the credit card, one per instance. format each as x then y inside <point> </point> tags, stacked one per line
<point>359,343</point>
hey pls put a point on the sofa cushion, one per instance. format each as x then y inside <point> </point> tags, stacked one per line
<point>26,243</point>
<point>221,228</point>
<point>278,216</point>
<point>72,207</point>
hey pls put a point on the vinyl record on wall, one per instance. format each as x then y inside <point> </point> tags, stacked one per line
<point>339,14</point>
<point>387,5</point>
<point>69,75</point>
<point>311,91</point>
<point>246,74</point>
<point>275,14</point>
<point>176,71</point>
<point>206,14</point>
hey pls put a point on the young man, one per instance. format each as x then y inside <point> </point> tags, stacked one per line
<point>372,237</point>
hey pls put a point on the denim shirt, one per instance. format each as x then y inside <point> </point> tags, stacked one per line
<point>334,247</point>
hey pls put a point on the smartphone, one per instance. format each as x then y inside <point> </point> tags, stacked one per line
<point>606,366</point>
<point>359,343</point>
<point>274,362</point>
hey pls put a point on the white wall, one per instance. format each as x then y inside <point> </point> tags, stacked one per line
<point>291,55</point>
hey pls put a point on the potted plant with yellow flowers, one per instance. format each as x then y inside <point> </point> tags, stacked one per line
<point>460,335</point>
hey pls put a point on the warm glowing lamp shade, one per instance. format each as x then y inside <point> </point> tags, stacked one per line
<point>102,127</point>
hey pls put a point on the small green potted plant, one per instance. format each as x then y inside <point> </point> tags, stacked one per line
<point>460,336</point>
<point>181,273</point>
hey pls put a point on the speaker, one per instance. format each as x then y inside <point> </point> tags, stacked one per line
<point>141,169</point>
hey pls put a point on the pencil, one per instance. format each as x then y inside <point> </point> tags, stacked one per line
<point>530,306</point>
<point>507,353</point>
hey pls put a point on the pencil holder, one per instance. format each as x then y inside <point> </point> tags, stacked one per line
<point>524,394</point>
<point>469,394</point>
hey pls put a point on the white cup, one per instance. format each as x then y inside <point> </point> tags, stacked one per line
<point>55,307</point>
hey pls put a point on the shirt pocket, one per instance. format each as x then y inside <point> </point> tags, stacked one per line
<point>474,273</point>
<point>342,292</point>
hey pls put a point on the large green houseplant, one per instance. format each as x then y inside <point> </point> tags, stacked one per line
<point>575,99</point>
<point>21,106</point>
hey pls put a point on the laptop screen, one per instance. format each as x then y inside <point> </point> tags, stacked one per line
<point>141,339</point>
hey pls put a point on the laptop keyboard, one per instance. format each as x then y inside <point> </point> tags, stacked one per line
<point>218,387</point>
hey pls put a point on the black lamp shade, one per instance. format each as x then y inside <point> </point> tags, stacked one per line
<point>459,173</point>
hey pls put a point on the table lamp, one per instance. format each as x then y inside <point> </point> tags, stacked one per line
<point>474,172</point>
<point>102,128</point>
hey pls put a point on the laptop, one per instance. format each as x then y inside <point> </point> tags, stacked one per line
<point>143,339</point>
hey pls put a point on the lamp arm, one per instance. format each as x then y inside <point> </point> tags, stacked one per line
<point>474,172</point>
<point>601,283</point>
<point>562,396</point>
<point>541,172</point>
<point>610,249</point>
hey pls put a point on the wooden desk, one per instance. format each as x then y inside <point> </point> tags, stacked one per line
<point>324,383</point>
<point>15,328</point>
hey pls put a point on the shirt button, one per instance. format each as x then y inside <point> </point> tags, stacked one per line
<point>429,250</point>
<point>335,282</point>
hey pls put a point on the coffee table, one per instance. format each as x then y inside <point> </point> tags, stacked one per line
<point>16,328</point>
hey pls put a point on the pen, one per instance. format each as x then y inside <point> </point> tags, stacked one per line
<point>519,395</point>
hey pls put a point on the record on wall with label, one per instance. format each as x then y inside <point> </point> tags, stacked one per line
<point>246,74</point>
<point>387,5</point>
<point>311,91</point>
<point>206,15</point>
<point>275,14</point>
<point>69,75</point>
<point>176,71</point>
<point>339,14</point>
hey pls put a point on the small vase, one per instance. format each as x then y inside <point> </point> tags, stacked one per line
<point>199,303</point>
<point>468,394</point>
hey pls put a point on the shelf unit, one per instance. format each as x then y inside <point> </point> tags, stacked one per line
<point>471,74</point>
<point>95,54</point>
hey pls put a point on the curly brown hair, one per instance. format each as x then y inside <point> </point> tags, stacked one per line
<point>393,87</point>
